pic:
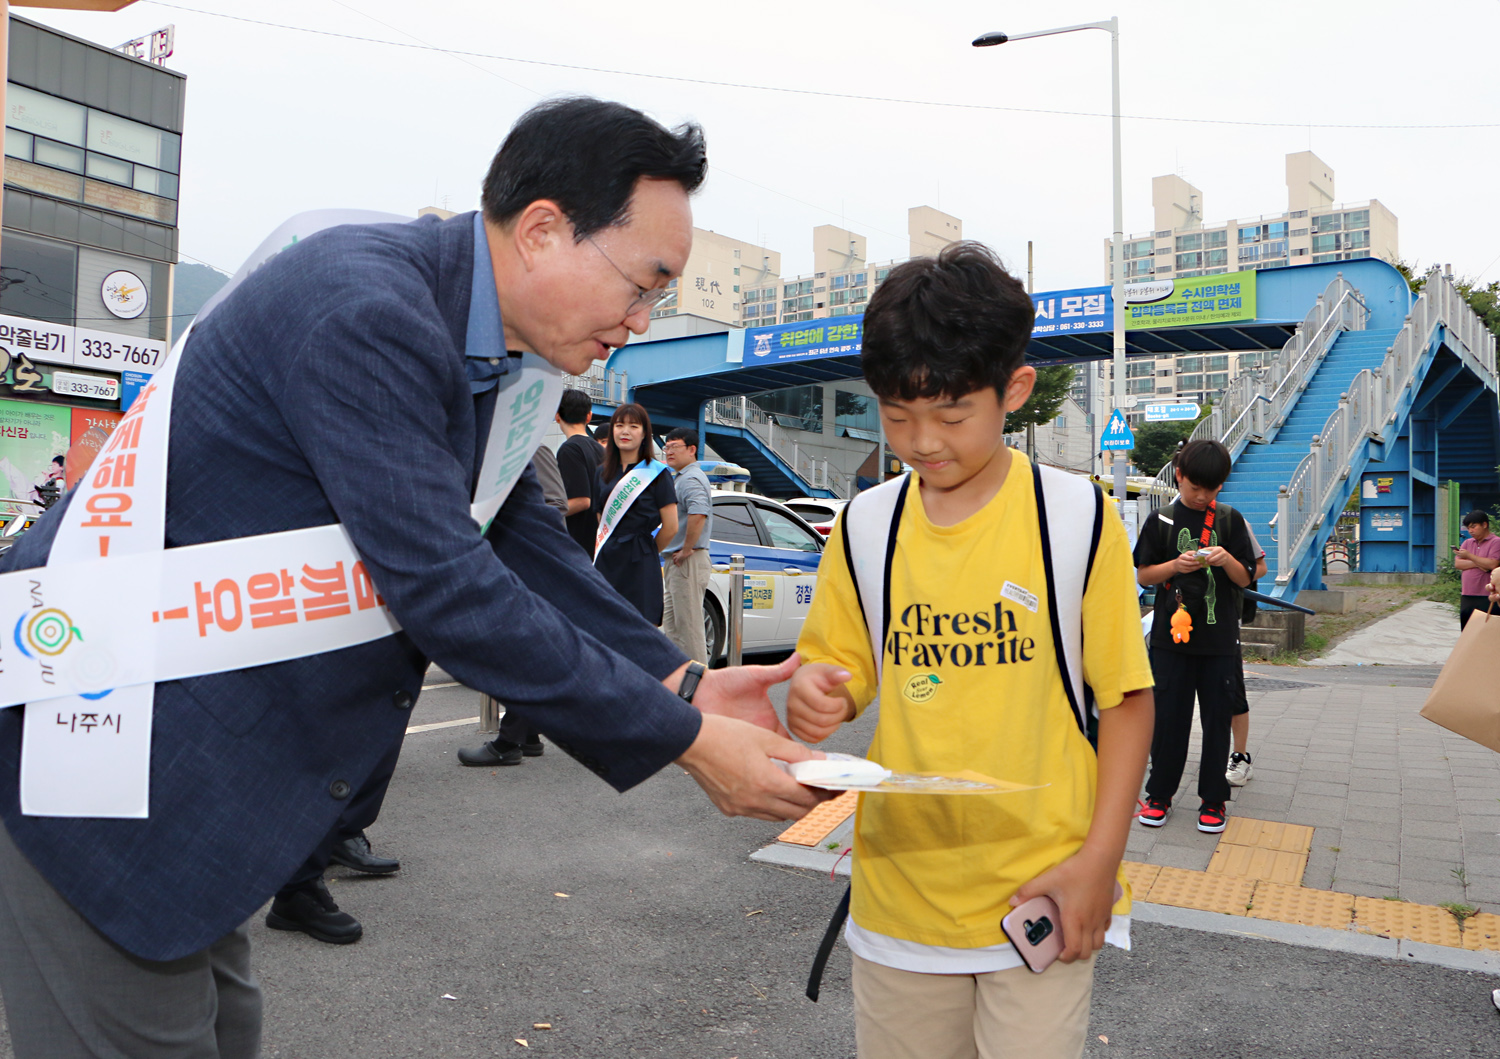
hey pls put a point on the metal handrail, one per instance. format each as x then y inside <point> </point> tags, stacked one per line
<point>815,471</point>
<point>1369,405</point>
<point>603,385</point>
<point>1247,398</point>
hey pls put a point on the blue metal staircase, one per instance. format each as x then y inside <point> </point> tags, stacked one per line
<point>1262,469</point>
<point>769,473</point>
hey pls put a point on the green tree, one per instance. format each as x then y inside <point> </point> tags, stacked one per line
<point>1051,390</point>
<point>1484,300</point>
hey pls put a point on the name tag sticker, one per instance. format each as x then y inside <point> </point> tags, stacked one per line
<point>1016,594</point>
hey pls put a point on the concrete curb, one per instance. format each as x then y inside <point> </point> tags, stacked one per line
<point>1317,938</point>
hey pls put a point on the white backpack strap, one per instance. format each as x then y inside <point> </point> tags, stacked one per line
<point>1070,515</point>
<point>868,525</point>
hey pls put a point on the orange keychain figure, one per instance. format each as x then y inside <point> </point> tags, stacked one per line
<point>1182,625</point>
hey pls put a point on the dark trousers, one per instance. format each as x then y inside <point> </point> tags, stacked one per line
<point>1214,681</point>
<point>1469,604</point>
<point>516,730</point>
<point>359,814</point>
<point>71,993</point>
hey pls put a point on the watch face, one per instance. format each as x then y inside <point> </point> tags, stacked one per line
<point>124,294</point>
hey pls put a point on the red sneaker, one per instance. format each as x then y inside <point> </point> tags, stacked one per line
<point>1156,812</point>
<point>1211,816</point>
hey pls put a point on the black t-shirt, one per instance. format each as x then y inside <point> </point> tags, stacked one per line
<point>578,459</point>
<point>1209,595</point>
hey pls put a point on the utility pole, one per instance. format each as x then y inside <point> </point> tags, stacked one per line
<point>1030,289</point>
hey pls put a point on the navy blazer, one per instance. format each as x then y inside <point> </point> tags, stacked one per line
<point>331,387</point>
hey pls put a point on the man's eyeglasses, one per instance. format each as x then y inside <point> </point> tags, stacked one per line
<point>645,297</point>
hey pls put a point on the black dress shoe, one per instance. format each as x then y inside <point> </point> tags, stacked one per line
<point>533,748</point>
<point>354,852</point>
<point>492,753</point>
<point>313,911</point>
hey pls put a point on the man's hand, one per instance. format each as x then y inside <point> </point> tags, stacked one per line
<point>680,555</point>
<point>731,761</point>
<point>740,692</point>
<point>817,702</point>
<point>1084,888</point>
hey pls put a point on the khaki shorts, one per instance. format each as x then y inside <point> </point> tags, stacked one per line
<point>1011,1014</point>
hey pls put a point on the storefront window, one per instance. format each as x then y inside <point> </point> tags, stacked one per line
<point>37,278</point>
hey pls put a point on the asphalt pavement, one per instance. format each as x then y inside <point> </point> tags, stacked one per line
<point>635,925</point>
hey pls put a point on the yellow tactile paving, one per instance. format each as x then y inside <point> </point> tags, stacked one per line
<point>1398,919</point>
<point>1217,891</point>
<point>1197,889</point>
<point>1298,904</point>
<point>1140,876</point>
<point>1482,932</point>
<point>817,825</point>
<point>1254,862</point>
<point>1267,834</point>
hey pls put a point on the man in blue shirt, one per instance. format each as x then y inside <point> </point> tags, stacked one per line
<point>352,379</point>
<point>686,554</point>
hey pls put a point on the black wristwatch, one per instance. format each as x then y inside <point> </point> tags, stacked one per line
<point>690,679</point>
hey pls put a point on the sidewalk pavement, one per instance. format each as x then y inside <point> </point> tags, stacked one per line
<point>1361,817</point>
<point>1422,634</point>
<point>1400,807</point>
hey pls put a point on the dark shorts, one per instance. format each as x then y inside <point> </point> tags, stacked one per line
<point>1469,604</point>
<point>1241,703</point>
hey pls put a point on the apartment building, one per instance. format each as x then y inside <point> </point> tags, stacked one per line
<point>1313,229</point>
<point>842,279</point>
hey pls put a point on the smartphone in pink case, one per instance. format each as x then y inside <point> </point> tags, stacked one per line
<point>1035,929</point>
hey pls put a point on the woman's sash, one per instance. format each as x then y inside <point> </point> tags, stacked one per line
<point>624,494</point>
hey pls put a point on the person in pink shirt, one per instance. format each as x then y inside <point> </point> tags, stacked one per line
<point>1476,557</point>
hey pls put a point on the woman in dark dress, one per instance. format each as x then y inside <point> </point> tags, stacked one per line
<point>636,498</point>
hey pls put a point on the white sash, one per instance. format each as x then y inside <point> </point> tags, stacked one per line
<point>621,497</point>
<point>113,612</point>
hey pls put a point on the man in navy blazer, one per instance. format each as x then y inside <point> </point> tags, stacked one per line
<point>352,379</point>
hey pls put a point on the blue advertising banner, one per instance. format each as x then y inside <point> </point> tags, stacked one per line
<point>131,384</point>
<point>837,336</point>
<point>1063,311</point>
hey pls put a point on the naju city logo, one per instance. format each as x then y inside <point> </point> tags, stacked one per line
<point>48,632</point>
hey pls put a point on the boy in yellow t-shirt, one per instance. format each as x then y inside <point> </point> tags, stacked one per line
<point>970,680</point>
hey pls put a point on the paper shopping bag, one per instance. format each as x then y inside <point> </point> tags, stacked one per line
<point>1466,697</point>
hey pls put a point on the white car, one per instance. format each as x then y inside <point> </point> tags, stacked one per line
<point>819,512</point>
<point>781,551</point>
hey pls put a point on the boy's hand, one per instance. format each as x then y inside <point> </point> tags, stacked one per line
<point>1217,557</point>
<point>1084,888</point>
<point>1187,563</point>
<point>817,701</point>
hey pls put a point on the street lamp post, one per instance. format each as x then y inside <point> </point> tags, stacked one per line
<point>1117,246</point>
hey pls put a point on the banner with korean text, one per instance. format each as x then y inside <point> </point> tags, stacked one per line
<point>837,336</point>
<point>1227,298</point>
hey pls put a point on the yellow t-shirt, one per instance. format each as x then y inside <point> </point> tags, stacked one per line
<point>940,870</point>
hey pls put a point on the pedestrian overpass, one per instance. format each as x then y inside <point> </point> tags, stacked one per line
<point>1366,388</point>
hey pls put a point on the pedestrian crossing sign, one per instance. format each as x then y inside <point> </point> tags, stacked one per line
<point>1117,434</point>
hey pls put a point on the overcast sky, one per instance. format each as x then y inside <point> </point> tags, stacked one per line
<point>280,121</point>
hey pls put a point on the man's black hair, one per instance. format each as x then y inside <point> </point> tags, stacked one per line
<point>586,155</point>
<point>685,435</point>
<point>946,326</point>
<point>1481,517</point>
<point>575,407</point>
<point>1204,462</point>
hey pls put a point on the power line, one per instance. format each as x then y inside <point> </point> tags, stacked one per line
<point>457,52</point>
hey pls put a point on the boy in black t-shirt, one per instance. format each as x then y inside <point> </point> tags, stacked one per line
<point>1198,553</point>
